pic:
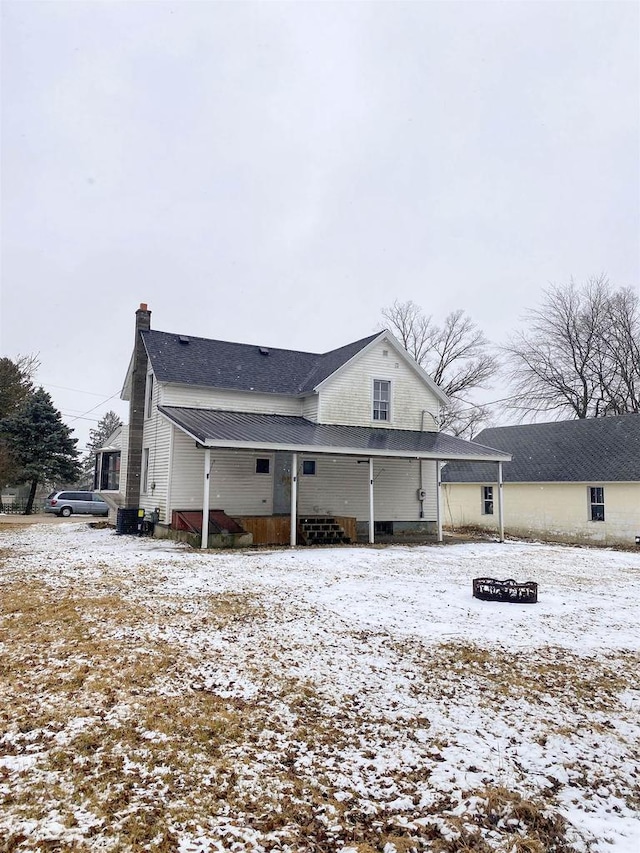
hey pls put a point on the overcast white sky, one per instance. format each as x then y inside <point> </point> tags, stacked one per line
<point>277,173</point>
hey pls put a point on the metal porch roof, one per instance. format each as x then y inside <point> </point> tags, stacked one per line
<point>217,428</point>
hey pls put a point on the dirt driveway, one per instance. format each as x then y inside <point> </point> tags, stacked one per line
<point>37,518</point>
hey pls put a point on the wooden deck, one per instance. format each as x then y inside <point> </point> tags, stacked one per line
<point>276,529</point>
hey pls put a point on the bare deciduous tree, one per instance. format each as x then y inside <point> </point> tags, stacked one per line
<point>456,355</point>
<point>580,353</point>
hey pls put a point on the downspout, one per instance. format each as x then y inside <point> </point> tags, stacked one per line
<point>421,463</point>
<point>294,500</point>
<point>204,541</point>
<point>422,489</point>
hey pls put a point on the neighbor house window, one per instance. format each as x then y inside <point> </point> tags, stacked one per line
<point>262,466</point>
<point>145,469</point>
<point>149,398</point>
<point>487,500</point>
<point>309,466</point>
<point>110,472</point>
<point>596,501</point>
<point>381,399</point>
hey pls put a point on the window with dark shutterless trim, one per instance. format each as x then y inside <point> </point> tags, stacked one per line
<point>145,470</point>
<point>596,503</point>
<point>487,500</point>
<point>309,467</point>
<point>262,466</point>
<point>149,396</point>
<point>110,471</point>
<point>381,400</point>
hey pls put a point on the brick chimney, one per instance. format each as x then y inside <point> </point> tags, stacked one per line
<point>136,409</point>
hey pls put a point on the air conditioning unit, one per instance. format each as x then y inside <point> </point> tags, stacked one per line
<point>422,495</point>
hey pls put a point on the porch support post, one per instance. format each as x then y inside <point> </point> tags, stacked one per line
<point>294,499</point>
<point>500,503</point>
<point>371,512</point>
<point>439,501</point>
<point>205,498</point>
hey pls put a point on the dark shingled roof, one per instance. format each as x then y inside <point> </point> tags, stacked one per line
<point>264,431</point>
<point>596,450</point>
<point>242,367</point>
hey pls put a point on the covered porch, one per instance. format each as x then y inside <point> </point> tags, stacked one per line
<point>379,467</point>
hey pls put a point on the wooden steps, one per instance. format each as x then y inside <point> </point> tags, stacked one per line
<point>321,530</point>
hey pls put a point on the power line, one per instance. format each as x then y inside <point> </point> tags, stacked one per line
<point>65,388</point>
<point>488,403</point>
<point>79,417</point>
<point>97,406</point>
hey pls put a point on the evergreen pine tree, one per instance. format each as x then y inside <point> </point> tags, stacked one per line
<point>15,386</point>
<point>40,443</point>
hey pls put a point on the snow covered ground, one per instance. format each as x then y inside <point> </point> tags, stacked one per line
<point>339,699</point>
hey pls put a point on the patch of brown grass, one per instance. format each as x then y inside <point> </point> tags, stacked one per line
<point>538,677</point>
<point>101,695</point>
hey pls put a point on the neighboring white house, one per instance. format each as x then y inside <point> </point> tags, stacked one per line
<point>575,481</point>
<point>222,425</point>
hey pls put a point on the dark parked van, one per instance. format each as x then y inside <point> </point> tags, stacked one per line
<point>67,503</point>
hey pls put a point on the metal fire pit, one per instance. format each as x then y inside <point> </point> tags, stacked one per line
<point>489,589</point>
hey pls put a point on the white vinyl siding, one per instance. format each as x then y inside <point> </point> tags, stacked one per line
<point>230,401</point>
<point>234,485</point>
<point>341,487</point>
<point>347,397</point>
<point>310,407</point>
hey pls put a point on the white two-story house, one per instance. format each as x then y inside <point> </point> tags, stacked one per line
<point>291,446</point>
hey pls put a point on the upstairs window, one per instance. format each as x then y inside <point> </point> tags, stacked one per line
<point>145,470</point>
<point>596,502</point>
<point>487,500</point>
<point>381,400</point>
<point>262,466</point>
<point>309,467</point>
<point>149,396</point>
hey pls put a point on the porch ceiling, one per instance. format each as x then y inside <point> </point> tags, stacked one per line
<point>243,430</point>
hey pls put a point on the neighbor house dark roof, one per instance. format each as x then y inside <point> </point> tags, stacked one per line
<point>242,367</point>
<point>596,450</point>
<point>218,428</point>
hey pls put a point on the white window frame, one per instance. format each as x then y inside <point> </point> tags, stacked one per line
<point>309,473</point>
<point>389,402</point>
<point>488,497</point>
<point>596,492</point>
<point>148,396</point>
<point>144,486</point>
